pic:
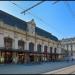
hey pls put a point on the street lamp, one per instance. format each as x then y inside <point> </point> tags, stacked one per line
<point>71,51</point>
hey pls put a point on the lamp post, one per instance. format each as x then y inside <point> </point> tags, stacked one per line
<point>71,51</point>
<point>67,53</point>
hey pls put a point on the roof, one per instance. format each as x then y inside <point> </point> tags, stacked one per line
<point>68,39</point>
<point>46,34</point>
<point>14,21</point>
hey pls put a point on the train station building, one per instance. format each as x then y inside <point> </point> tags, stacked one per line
<point>24,42</point>
<point>68,45</point>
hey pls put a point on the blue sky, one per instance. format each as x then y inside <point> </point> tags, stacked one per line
<point>57,18</point>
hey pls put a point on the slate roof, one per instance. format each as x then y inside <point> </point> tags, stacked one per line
<point>46,34</point>
<point>14,21</point>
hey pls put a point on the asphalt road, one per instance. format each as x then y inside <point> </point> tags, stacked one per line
<point>66,70</point>
<point>33,68</point>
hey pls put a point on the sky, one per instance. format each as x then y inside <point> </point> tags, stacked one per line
<point>54,18</point>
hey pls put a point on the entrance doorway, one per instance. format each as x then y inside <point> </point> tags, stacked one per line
<point>31,58</point>
<point>8,57</point>
<point>39,59</point>
<point>21,57</point>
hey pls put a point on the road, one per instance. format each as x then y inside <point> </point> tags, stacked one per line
<point>66,70</point>
<point>33,68</point>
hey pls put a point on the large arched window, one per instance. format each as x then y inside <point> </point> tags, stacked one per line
<point>39,48</point>
<point>8,42</point>
<point>31,46</point>
<point>21,44</point>
<point>45,48</point>
<point>54,50</point>
<point>50,49</point>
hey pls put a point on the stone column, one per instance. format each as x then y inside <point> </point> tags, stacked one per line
<point>73,51</point>
<point>67,50</point>
<point>60,51</point>
<point>42,48</point>
<point>1,40</point>
<point>48,49</point>
<point>27,45</point>
<point>15,58</point>
<point>52,49</point>
<point>15,44</point>
<point>35,47</point>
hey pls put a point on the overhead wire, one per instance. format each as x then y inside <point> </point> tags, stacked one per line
<point>16,5</point>
<point>32,7</point>
<point>37,17</point>
<point>69,9</point>
<point>55,2</point>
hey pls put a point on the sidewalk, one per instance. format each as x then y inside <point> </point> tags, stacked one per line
<point>66,70</point>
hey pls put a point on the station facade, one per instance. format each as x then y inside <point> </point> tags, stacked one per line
<point>24,42</point>
<point>68,45</point>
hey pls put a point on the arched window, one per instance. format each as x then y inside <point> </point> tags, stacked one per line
<point>31,46</point>
<point>50,49</point>
<point>45,48</point>
<point>54,50</point>
<point>8,42</point>
<point>39,48</point>
<point>21,44</point>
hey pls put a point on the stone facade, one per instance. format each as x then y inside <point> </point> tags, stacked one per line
<point>68,45</point>
<point>21,52</point>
